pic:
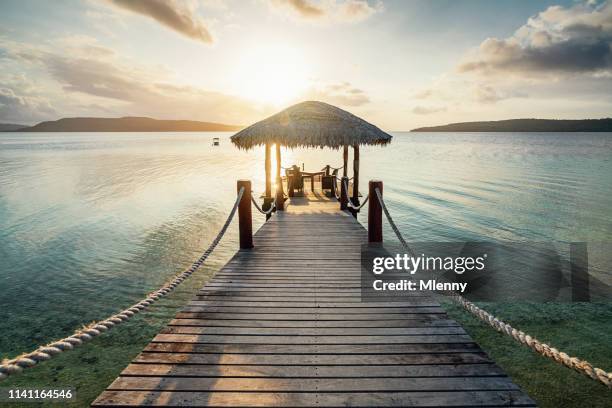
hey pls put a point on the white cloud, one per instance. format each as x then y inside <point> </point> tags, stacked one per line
<point>173,14</point>
<point>23,109</point>
<point>330,11</point>
<point>558,41</point>
<point>428,110</point>
<point>337,93</point>
<point>91,79</point>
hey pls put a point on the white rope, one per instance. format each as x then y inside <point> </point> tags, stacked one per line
<point>392,223</point>
<point>269,211</point>
<point>544,349</point>
<point>350,203</point>
<point>94,329</point>
<point>336,188</point>
<point>359,207</point>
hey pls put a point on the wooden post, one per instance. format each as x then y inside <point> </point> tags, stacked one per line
<point>375,233</point>
<point>280,198</point>
<point>355,175</point>
<point>279,181</point>
<point>267,203</point>
<point>343,193</point>
<point>245,220</point>
<point>327,170</point>
<point>333,189</point>
<point>345,161</point>
<point>268,171</point>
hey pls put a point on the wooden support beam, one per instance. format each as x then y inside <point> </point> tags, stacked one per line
<point>375,233</point>
<point>279,181</point>
<point>355,175</point>
<point>344,161</point>
<point>280,195</point>
<point>343,193</point>
<point>268,170</point>
<point>245,218</point>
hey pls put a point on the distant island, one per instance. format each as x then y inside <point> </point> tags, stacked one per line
<point>10,127</point>
<point>125,124</point>
<point>525,125</point>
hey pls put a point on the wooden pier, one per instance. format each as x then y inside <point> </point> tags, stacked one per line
<point>282,325</point>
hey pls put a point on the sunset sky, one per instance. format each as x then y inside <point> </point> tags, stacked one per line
<point>399,64</point>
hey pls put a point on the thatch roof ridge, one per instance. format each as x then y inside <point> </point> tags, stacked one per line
<point>311,124</point>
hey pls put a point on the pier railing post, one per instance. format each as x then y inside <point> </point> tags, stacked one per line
<point>280,196</point>
<point>245,218</point>
<point>343,193</point>
<point>375,233</point>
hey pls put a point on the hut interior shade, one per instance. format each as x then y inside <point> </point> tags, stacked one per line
<point>311,124</point>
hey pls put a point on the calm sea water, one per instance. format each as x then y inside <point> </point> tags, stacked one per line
<point>91,222</point>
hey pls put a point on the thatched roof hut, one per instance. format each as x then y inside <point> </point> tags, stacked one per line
<point>312,124</point>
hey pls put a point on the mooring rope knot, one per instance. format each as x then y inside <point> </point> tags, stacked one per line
<point>94,329</point>
<point>544,349</point>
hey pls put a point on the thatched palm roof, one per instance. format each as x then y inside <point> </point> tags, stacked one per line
<point>311,124</point>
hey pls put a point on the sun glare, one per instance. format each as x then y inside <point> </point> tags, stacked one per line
<point>271,74</point>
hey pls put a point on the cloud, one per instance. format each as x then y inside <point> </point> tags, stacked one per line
<point>423,94</point>
<point>487,94</point>
<point>23,109</point>
<point>424,110</point>
<point>303,8</point>
<point>327,11</point>
<point>558,41</point>
<point>338,93</point>
<point>172,14</point>
<point>82,77</point>
<point>86,79</point>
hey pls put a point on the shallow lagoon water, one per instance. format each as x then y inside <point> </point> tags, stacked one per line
<point>90,222</point>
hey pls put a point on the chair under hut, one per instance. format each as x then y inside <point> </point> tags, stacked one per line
<point>311,124</point>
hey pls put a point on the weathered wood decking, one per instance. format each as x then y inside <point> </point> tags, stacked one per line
<point>282,325</point>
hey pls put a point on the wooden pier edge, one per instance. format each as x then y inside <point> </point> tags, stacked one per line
<point>282,324</point>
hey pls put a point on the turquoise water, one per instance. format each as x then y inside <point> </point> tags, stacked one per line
<point>91,222</point>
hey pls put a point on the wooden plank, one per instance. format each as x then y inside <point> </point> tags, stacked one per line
<point>440,359</point>
<point>416,312</point>
<point>282,349</point>
<point>315,331</point>
<point>309,399</point>
<point>320,340</point>
<point>430,321</point>
<point>339,306</point>
<point>311,310</point>
<point>283,381</point>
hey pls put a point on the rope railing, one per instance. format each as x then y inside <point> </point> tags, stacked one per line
<point>582,366</point>
<point>350,203</point>
<point>392,223</point>
<point>332,168</point>
<point>94,329</point>
<point>336,189</point>
<point>268,211</point>
<point>360,206</point>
